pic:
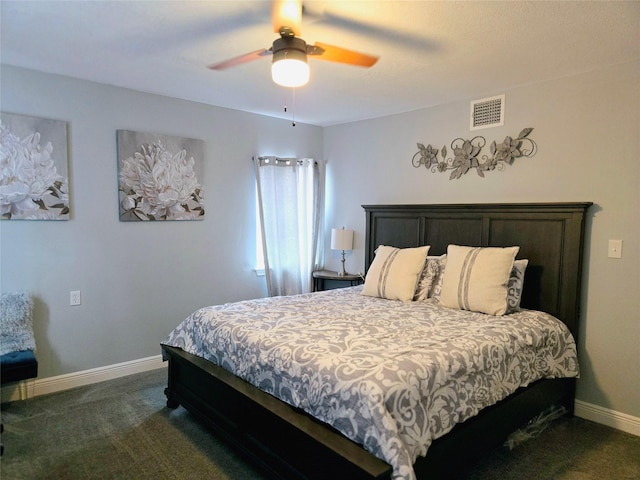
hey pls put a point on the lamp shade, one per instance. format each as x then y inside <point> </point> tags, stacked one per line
<point>341,239</point>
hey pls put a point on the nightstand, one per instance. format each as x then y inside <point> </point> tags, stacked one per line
<point>320,276</point>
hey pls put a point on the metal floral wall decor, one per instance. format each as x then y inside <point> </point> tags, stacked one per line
<point>466,155</point>
<point>34,182</point>
<point>159,177</point>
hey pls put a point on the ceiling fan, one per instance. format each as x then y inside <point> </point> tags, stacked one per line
<point>289,66</point>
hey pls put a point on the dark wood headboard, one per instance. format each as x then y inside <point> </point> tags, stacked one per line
<point>550,236</point>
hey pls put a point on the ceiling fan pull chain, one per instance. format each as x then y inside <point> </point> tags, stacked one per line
<point>293,102</point>
<point>293,113</point>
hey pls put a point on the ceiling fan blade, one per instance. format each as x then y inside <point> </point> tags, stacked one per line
<point>314,14</point>
<point>287,15</point>
<point>247,57</point>
<point>332,53</point>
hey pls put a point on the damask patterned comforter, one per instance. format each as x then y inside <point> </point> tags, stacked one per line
<point>392,376</point>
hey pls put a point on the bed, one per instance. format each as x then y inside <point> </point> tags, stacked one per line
<point>288,442</point>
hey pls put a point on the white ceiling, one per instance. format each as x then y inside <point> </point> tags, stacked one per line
<point>431,52</point>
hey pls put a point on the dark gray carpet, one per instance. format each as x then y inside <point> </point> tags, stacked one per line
<point>121,429</point>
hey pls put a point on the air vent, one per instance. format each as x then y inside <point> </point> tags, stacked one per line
<point>488,112</point>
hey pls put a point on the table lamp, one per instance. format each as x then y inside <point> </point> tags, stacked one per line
<point>341,239</point>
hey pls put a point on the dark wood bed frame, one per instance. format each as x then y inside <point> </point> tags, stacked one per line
<point>287,443</point>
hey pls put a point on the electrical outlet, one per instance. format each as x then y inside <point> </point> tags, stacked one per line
<point>74,297</point>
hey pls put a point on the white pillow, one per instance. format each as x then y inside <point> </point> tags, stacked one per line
<point>475,278</point>
<point>394,272</point>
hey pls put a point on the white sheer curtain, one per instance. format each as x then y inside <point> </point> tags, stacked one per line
<point>291,204</point>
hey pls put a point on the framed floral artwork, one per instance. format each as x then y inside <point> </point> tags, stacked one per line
<point>34,179</point>
<point>159,177</point>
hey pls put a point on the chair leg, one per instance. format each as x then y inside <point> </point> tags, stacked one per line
<point>22,388</point>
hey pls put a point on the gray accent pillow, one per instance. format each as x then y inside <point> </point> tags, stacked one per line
<point>515,285</point>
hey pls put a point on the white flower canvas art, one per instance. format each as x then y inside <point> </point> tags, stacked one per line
<point>34,181</point>
<point>159,177</point>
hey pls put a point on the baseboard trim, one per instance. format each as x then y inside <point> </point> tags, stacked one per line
<point>43,386</point>
<point>611,418</point>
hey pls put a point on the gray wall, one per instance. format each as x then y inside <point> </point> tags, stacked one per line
<point>587,129</point>
<point>138,280</point>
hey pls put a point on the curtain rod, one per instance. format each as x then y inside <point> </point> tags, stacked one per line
<point>273,160</point>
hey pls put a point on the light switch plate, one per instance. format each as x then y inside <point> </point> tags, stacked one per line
<point>615,249</point>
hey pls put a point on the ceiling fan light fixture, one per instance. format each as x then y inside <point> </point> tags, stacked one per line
<point>290,72</point>
<point>290,67</point>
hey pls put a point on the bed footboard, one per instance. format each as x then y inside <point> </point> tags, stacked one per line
<point>285,442</point>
